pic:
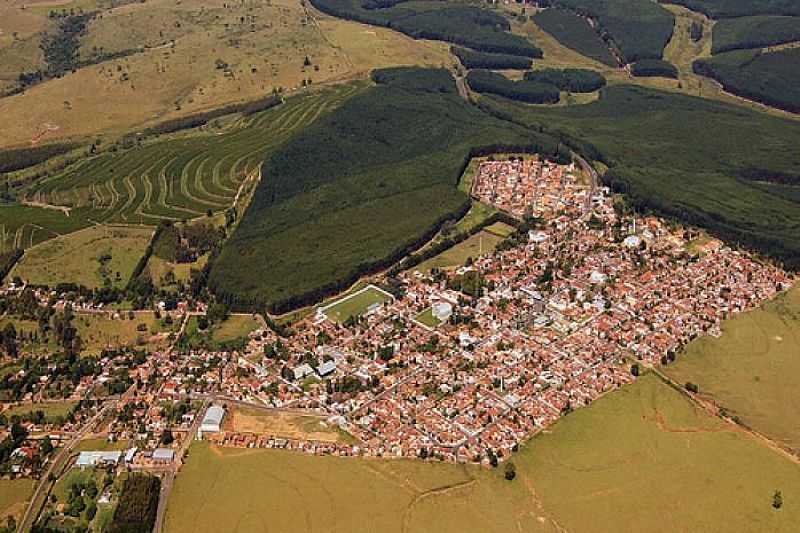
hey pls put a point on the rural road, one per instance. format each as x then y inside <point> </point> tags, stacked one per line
<point>31,513</point>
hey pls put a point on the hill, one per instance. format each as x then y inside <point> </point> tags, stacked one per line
<point>754,32</point>
<point>719,9</point>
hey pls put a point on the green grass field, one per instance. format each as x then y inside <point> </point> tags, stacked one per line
<point>233,330</point>
<point>356,304</point>
<point>426,318</point>
<point>99,332</point>
<point>641,459</point>
<point>481,243</point>
<point>94,257</point>
<point>50,409</point>
<point>751,369</point>
<point>23,226</point>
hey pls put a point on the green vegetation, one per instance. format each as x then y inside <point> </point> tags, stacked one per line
<point>23,226</point>
<point>647,68</point>
<point>531,92</point>
<point>697,164</point>
<point>468,26</point>
<point>228,334</point>
<point>358,190</point>
<point>14,493</point>
<point>99,256</point>
<point>637,29</point>
<point>356,304</point>
<point>644,443</point>
<point>180,177</point>
<point>740,8</point>
<point>51,412</point>
<point>754,32</point>
<point>574,80</point>
<point>472,59</point>
<point>575,32</point>
<point>137,506</point>
<point>749,371</point>
<point>426,318</point>
<point>473,247</point>
<point>771,78</point>
<point>19,158</point>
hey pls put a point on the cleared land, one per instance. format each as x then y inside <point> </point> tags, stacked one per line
<point>100,332</point>
<point>14,494</point>
<point>356,304</point>
<point>186,57</point>
<point>751,369</point>
<point>284,425</point>
<point>99,256</point>
<point>230,333</point>
<point>473,247</point>
<point>50,409</point>
<point>641,459</point>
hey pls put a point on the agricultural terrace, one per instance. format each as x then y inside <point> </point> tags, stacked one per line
<point>98,256</point>
<point>182,177</point>
<point>750,370</point>
<point>644,443</point>
<point>356,304</point>
<point>23,226</point>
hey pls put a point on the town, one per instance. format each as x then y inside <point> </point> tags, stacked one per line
<point>460,365</point>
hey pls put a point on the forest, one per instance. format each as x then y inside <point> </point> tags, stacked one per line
<point>528,91</point>
<point>469,26</point>
<point>700,163</point>
<point>138,503</point>
<point>654,67</point>
<point>754,32</point>
<point>575,32</point>
<point>719,9</point>
<point>472,59</point>
<point>359,189</point>
<point>771,78</point>
<point>574,80</point>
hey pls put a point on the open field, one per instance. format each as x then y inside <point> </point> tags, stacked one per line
<point>426,318</point>
<point>186,57</point>
<point>98,256</point>
<point>100,332</point>
<point>50,409</point>
<point>284,425</point>
<point>167,275</point>
<point>356,304</point>
<point>481,243</point>
<point>14,494</point>
<point>751,369</point>
<point>641,459</point>
<point>100,445</point>
<point>231,332</point>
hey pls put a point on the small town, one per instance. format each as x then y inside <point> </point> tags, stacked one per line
<point>460,365</point>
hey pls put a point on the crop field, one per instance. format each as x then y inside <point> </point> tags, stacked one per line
<point>185,57</point>
<point>14,494</point>
<point>23,226</point>
<point>750,370</point>
<point>754,32</point>
<point>95,257</point>
<point>183,177</point>
<point>355,304</point>
<point>771,78</point>
<point>643,458</point>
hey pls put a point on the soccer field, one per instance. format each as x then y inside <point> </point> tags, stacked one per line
<point>356,304</point>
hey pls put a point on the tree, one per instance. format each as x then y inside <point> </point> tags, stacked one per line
<point>167,437</point>
<point>510,471</point>
<point>47,446</point>
<point>635,369</point>
<point>777,500</point>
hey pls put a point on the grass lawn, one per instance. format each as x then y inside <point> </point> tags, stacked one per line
<point>641,459</point>
<point>235,327</point>
<point>356,304</point>
<point>100,445</point>
<point>95,257</point>
<point>481,243</point>
<point>50,409</point>
<point>751,369</point>
<point>14,493</point>
<point>426,317</point>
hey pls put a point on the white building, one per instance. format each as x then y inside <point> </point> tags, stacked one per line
<point>212,421</point>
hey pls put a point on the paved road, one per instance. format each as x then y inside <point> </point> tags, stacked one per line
<point>62,456</point>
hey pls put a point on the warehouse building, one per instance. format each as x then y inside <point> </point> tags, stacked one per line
<point>212,421</point>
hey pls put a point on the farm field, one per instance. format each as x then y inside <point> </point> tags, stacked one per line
<point>23,226</point>
<point>355,304</point>
<point>185,57</point>
<point>770,78</point>
<point>98,256</point>
<point>284,425</point>
<point>683,468</point>
<point>14,494</point>
<point>750,369</point>
<point>473,247</point>
<point>100,445</point>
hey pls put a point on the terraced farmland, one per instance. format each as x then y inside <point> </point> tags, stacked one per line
<point>182,177</point>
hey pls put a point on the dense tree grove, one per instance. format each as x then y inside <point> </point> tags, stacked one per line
<point>472,59</point>
<point>531,92</point>
<point>19,158</point>
<point>654,67</point>
<point>196,120</point>
<point>138,503</point>
<point>574,80</point>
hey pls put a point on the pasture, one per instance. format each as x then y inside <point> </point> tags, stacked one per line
<point>751,369</point>
<point>643,458</point>
<point>356,304</point>
<point>187,57</point>
<point>14,495</point>
<point>98,256</point>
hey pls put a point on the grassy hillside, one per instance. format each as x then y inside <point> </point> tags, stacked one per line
<point>690,158</point>
<point>740,8</point>
<point>356,190</point>
<point>639,29</point>
<point>771,78</point>
<point>641,459</point>
<point>754,32</point>
<point>575,32</point>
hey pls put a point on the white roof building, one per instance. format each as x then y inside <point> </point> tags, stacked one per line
<point>92,458</point>
<point>212,421</point>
